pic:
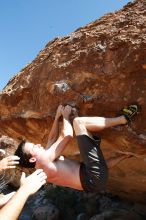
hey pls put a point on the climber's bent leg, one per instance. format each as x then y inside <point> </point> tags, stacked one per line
<point>93,170</point>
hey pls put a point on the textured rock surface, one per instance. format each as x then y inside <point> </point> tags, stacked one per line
<point>117,215</point>
<point>58,203</point>
<point>55,203</point>
<point>100,67</point>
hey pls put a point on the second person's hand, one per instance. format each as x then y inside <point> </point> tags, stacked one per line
<point>33,182</point>
<point>9,162</point>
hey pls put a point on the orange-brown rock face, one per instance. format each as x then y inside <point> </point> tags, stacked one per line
<point>101,68</point>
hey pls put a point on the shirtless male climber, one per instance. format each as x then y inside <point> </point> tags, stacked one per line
<point>90,175</point>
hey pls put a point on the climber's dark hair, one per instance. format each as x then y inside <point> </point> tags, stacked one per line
<point>24,158</point>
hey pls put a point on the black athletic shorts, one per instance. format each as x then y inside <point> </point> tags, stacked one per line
<point>93,169</point>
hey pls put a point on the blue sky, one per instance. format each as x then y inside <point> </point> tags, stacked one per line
<point>26,26</point>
